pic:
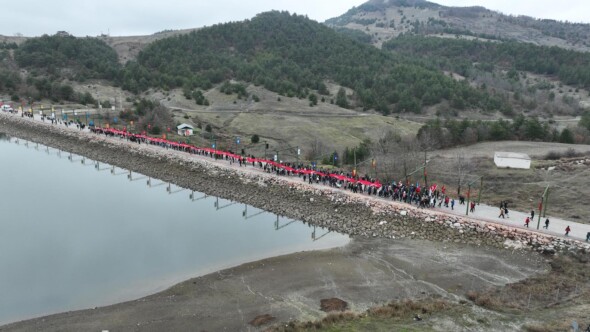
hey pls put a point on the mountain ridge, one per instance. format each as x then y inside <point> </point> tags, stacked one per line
<point>387,19</point>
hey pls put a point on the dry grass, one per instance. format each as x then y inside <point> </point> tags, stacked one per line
<point>554,326</point>
<point>568,280</point>
<point>397,311</point>
<point>568,183</point>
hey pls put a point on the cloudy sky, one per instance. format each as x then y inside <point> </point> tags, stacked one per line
<point>141,17</point>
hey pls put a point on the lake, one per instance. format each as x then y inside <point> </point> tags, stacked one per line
<point>75,234</point>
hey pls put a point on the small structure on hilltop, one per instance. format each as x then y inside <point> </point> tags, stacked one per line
<point>185,129</point>
<point>512,160</point>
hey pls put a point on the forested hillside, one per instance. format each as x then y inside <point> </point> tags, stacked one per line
<point>293,56</point>
<point>448,77</point>
<point>461,55</point>
<point>65,56</point>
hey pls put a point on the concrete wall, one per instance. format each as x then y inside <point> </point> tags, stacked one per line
<point>512,163</point>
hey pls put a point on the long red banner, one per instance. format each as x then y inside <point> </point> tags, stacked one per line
<point>195,149</point>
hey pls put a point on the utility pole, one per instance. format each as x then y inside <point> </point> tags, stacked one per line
<point>543,205</point>
<point>425,173</point>
<point>480,190</point>
<point>406,173</point>
<point>354,171</point>
<point>469,192</point>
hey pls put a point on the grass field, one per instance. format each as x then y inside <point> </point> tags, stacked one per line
<point>568,179</point>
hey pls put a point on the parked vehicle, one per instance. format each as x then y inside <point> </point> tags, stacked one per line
<point>7,108</point>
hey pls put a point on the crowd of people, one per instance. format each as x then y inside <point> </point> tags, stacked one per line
<point>402,191</point>
<point>410,193</point>
<point>398,191</point>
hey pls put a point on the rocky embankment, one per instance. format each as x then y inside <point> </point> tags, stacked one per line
<point>338,210</point>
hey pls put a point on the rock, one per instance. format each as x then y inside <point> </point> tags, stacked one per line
<point>261,320</point>
<point>333,304</point>
<point>403,213</point>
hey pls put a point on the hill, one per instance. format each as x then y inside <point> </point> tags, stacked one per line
<point>539,67</point>
<point>245,78</point>
<point>386,19</point>
<point>295,56</point>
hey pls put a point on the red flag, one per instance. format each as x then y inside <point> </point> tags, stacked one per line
<point>443,189</point>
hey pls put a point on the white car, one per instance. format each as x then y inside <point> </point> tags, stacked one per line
<point>7,108</point>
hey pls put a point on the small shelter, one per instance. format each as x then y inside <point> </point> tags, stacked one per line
<point>185,129</point>
<point>512,160</point>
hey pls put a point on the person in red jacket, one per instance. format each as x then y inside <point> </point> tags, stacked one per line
<point>526,221</point>
<point>567,230</point>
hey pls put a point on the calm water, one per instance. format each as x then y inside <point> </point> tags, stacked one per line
<point>74,237</point>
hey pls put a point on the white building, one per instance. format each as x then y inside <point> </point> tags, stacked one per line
<point>512,160</point>
<point>185,129</point>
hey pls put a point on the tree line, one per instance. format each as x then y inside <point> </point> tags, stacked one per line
<point>450,132</point>
<point>292,55</point>
<point>288,54</point>
<point>64,56</point>
<point>461,56</point>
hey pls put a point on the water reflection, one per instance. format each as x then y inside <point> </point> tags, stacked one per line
<point>100,239</point>
<point>152,183</point>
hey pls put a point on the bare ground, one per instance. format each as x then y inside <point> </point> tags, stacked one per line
<point>366,273</point>
<point>568,179</point>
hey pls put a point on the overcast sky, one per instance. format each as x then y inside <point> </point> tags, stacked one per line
<point>142,17</point>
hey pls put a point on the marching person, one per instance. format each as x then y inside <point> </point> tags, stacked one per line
<point>567,230</point>
<point>546,224</point>
<point>526,222</point>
